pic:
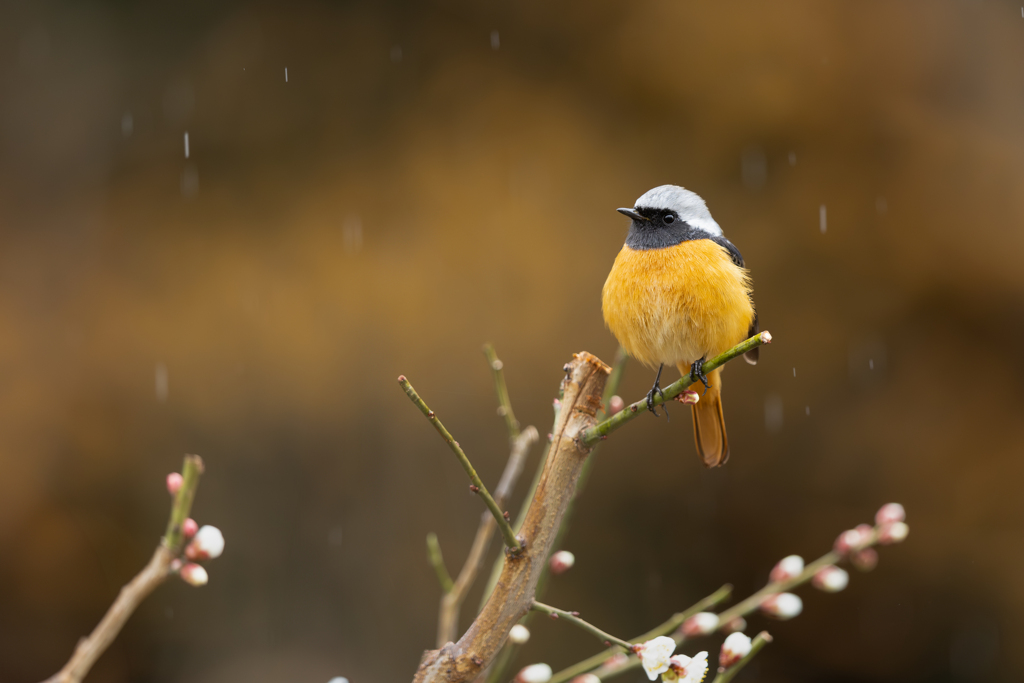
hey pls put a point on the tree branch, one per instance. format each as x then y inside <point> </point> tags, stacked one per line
<point>478,485</point>
<point>138,589</point>
<point>451,602</point>
<point>513,593</point>
<point>573,618</point>
<point>504,404</point>
<point>606,427</point>
<point>436,560</point>
<point>760,640</point>
<point>719,596</point>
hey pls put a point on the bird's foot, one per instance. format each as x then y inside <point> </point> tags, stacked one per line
<point>656,389</point>
<point>697,370</point>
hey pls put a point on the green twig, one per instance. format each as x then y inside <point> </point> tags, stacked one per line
<point>190,472</point>
<point>760,640</point>
<point>719,596</point>
<point>436,561</point>
<point>504,404</point>
<point>574,618</point>
<point>478,485</point>
<point>606,427</point>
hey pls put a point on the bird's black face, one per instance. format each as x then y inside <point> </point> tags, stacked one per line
<point>657,228</point>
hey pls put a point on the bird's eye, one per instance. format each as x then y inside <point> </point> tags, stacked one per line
<point>669,218</point>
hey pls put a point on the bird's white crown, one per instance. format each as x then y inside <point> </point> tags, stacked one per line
<point>687,205</point>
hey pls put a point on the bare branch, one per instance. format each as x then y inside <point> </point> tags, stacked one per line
<point>513,594</point>
<point>451,602</point>
<point>478,485</point>
<point>504,404</point>
<point>436,560</point>
<point>138,589</point>
<point>574,618</point>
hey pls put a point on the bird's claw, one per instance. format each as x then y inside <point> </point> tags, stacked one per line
<point>697,370</point>
<point>656,389</point>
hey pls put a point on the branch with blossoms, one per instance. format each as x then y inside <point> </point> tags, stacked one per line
<point>183,546</point>
<point>529,544</point>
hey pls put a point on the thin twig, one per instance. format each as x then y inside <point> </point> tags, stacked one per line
<point>451,602</point>
<point>608,426</point>
<point>719,596</point>
<point>478,485</point>
<point>573,618</point>
<point>436,560</point>
<point>133,593</point>
<point>760,640</point>
<point>504,404</point>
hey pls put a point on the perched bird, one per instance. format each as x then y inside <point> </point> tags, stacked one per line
<point>679,294</point>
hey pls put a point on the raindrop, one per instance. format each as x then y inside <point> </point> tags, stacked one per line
<point>127,124</point>
<point>338,679</point>
<point>807,411</point>
<point>286,74</point>
<point>871,363</point>
<point>495,40</point>
<point>794,372</point>
<point>186,144</point>
<point>773,413</point>
<point>792,158</point>
<point>822,219</point>
<point>161,382</point>
<point>396,54</point>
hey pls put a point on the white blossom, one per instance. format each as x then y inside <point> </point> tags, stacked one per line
<point>831,579</point>
<point>783,606</point>
<point>687,669</point>
<point>787,568</point>
<point>700,624</point>
<point>535,673</point>
<point>735,648</point>
<point>519,634</point>
<point>654,655</point>
<point>207,544</point>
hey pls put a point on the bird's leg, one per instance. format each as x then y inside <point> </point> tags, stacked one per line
<point>656,388</point>
<point>697,370</point>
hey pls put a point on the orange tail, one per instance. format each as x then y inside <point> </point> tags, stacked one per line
<point>708,421</point>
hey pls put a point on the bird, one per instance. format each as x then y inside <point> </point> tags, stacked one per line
<point>679,293</point>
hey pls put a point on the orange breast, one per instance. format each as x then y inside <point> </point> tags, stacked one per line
<point>677,304</point>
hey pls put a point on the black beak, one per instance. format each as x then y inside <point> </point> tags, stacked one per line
<point>632,214</point>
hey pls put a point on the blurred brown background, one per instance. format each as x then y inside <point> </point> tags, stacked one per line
<point>436,175</point>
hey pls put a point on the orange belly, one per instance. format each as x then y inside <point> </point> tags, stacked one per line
<point>677,304</point>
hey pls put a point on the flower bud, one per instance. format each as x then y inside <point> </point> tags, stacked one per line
<point>893,533</point>
<point>735,648</point>
<point>700,624</point>
<point>688,397</point>
<point>193,574</point>
<point>338,679</point>
<point>616,405</point>
<point>787,568</point>
<point>174,482</point>
<point>890,513</point>
<point>783,606</point>
<point>561,562</point>
<point>519,634</point>
<point>535,673</point>
<point>736,625</point>
<point>865,560</point>
<point>586,678</point>
<point>849,541</point>
<point>207,544</point>
<point>831,579</point>
<point>189,527</point>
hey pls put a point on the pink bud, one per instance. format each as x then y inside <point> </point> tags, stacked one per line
<point>700,624</point>
<point>737,624</point>
<point>865,560</point>
<point>890,513</point>
<point>586,678</point>
<point>193,574</point>
<point>207,543</point>
<point>783,606</point>
<point>831,579</point>
<point>688,397</point>
<point>849,541</point>
<point>561,562</point>
<point>616,405</point>
<point>893,533</point>
<point>736,647</point>
<point>174,482</point>
<point>189,527</point>
<point>787,568</point>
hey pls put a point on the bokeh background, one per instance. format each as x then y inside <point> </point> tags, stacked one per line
<point>435,175</point>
